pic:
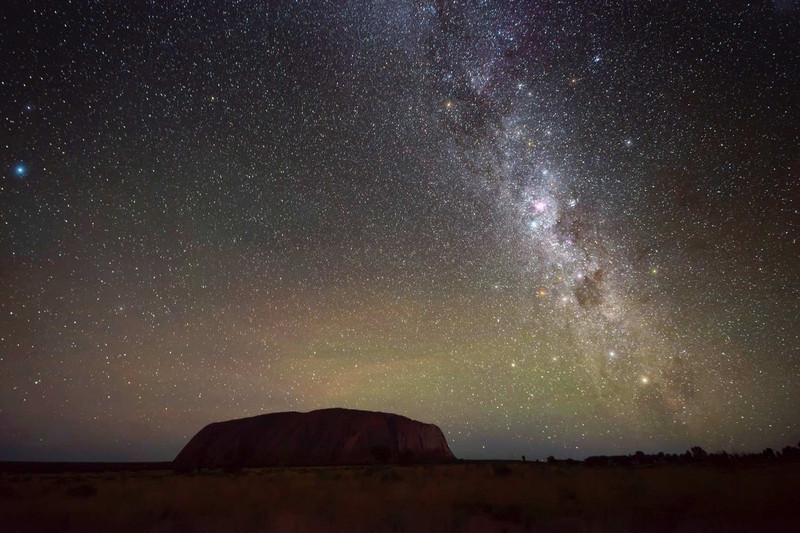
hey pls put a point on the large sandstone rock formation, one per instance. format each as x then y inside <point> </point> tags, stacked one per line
<point>324,437</point>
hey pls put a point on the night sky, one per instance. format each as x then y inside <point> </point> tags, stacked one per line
<point>549,227</point>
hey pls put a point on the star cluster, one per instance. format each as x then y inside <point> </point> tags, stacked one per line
<point>549,227</point>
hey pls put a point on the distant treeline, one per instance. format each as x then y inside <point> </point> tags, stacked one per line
<point>43,467</point>
<point>695,455</point>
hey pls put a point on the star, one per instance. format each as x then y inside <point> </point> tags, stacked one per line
<point>20,170</point>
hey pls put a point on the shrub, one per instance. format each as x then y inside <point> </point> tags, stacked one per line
<point>502,470</point>
<point>82,491</point>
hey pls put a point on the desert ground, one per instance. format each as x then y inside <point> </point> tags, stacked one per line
<point>468,496</point>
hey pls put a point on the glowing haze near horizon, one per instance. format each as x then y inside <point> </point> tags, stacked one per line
<point>547,227</point>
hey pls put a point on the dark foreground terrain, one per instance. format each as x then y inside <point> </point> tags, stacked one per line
<point>486,496</point>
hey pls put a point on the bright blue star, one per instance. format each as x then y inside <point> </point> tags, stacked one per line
<point>20,170</point>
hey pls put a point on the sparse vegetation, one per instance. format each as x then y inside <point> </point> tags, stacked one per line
<point>480,496</point>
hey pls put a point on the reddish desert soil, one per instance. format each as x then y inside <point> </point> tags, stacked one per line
<point>468,497</point>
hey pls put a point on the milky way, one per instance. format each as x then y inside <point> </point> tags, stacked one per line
<point>548,227</point>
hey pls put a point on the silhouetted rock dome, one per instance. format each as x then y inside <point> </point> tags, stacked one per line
<point>324,437</point>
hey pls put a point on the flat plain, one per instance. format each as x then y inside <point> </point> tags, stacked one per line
<point>466,496</point>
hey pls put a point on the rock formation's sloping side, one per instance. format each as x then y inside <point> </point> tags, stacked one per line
<point>324,437</point>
